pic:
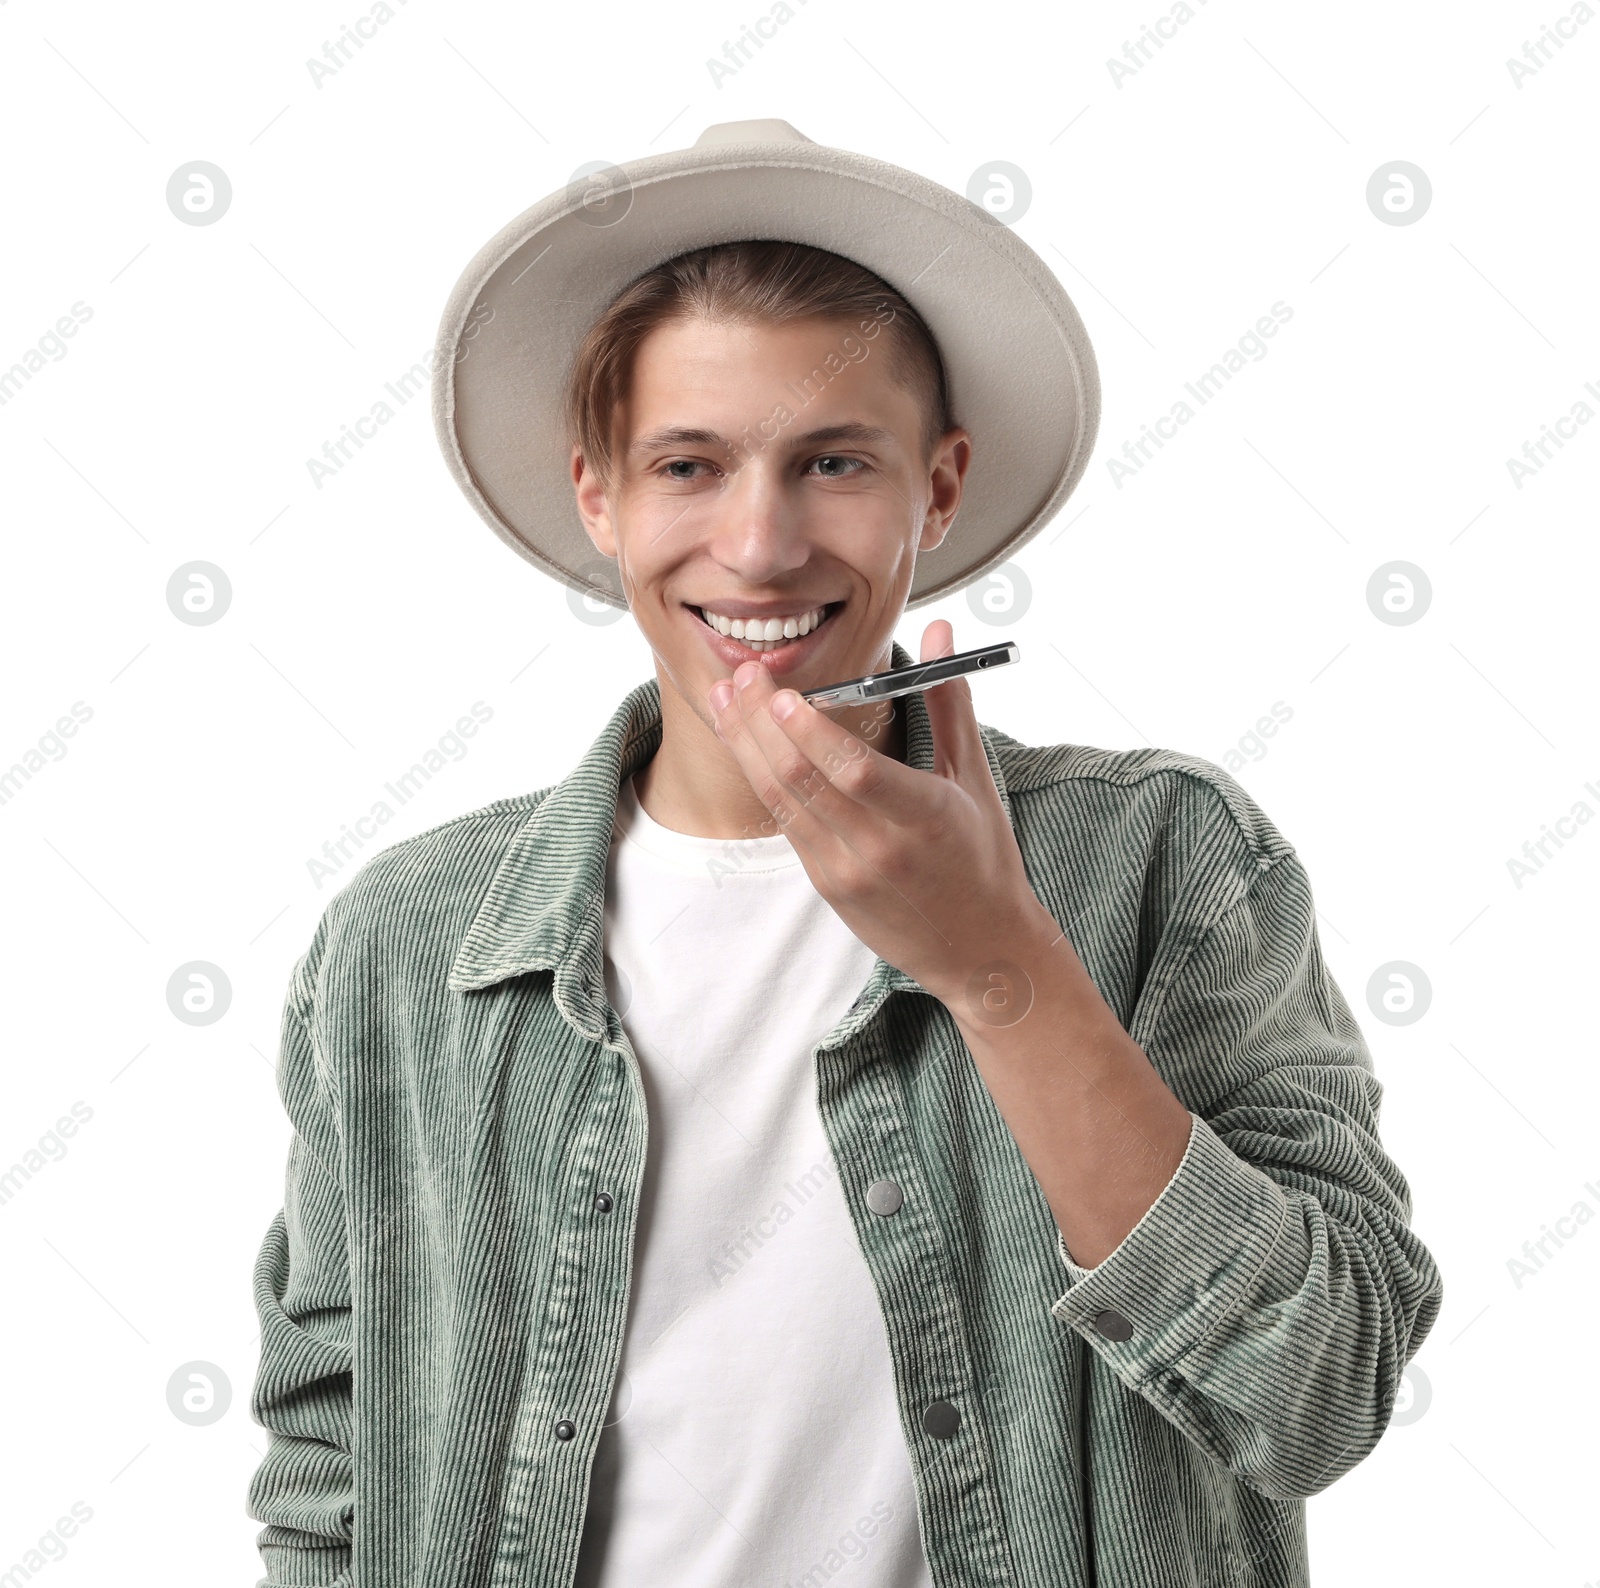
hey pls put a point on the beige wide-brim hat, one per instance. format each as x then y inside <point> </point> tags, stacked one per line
<point>1020,371</point>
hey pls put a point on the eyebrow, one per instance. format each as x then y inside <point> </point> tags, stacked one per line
<point>691,436</point>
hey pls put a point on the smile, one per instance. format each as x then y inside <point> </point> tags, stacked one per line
<point>776,633</point>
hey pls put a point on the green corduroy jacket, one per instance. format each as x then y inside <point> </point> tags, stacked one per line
<point>441,1290</point>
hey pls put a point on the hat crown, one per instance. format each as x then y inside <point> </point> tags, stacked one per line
<point>770,130</point>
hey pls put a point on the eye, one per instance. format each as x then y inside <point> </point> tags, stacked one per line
<point>856,465</point>
<point>667,469</point>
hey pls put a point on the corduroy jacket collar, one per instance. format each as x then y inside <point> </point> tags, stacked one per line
<point>545,906</point>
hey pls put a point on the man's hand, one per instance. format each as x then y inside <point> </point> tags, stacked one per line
<point>922,866</point>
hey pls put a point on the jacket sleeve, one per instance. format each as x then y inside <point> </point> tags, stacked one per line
<point>303,1488</point>
<point>1269,1299</point>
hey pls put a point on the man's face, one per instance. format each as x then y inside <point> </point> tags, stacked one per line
<point>739,500</point>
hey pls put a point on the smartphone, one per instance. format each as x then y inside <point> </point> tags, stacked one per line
<point>919,675</point>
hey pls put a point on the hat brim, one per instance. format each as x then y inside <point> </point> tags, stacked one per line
<point>1020,370</point>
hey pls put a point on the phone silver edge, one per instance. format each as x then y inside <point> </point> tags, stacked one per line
<point>905,681</point>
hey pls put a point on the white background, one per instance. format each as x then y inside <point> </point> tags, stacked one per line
<point>1226,174</point>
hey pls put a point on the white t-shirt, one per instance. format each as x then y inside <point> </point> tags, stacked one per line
<point>753,1435</point>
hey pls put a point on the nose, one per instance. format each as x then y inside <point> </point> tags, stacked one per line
<point>759,532</point>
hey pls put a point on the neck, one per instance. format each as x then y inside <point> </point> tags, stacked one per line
<point>694,783</point>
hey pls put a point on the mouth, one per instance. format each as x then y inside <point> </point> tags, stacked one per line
<point>793,636</point>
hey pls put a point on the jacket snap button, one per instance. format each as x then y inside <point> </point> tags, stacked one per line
<point>1113,1325</point>
<point>565,1430</point>
<point>884,1198</point>
<point>603,1202</point>
<point>941,1420</point>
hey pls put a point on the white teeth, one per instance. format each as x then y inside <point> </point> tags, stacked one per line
<point>765,634</point>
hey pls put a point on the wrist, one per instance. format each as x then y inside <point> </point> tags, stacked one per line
<point>994,985</point>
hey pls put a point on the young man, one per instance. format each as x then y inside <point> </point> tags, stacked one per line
<point>801,1142</point>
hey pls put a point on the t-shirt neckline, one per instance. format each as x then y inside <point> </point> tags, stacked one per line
<point>693,852</point>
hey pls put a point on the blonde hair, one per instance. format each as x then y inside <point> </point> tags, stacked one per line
<point>755,282</point>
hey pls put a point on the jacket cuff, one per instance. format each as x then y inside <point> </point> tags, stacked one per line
<point>1182,1267</point>
<point>293,1566</point>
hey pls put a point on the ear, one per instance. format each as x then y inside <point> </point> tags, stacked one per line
<point>947,474</point>
<point>593,508</point>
